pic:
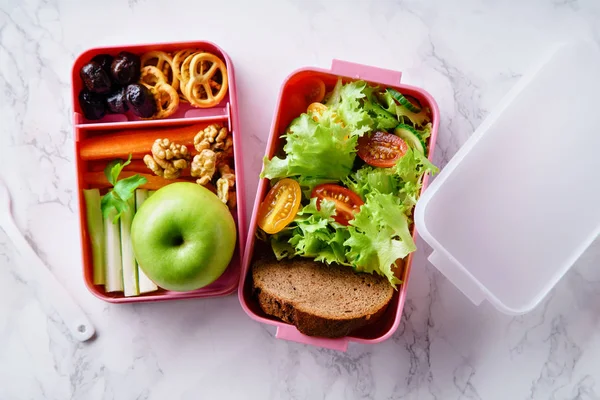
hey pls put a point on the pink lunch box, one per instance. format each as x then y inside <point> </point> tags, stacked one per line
<point>287,109</point>
<point>225,113</point>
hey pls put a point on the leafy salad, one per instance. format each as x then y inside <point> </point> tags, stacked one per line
<point>352,172</point>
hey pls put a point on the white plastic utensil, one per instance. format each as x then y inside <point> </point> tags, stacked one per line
<point>49,289</point>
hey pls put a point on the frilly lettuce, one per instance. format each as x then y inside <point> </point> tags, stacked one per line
<point>379,233</point>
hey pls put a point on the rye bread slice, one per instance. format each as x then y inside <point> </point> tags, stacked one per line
<point>320,300</point>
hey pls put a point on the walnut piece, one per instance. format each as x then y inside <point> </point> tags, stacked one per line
<point>212,137</point>
<point>225,183</point>
<point>204,166</point>
<point>167,158</point>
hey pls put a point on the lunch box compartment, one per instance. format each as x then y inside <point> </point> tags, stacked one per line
<point>225,113</point>
<point>288,107</point>
<point>185,110</point>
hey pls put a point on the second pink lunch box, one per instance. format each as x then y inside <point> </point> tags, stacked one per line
<point>284,113</point>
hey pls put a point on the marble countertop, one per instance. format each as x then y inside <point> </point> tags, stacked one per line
<point>466,53</point>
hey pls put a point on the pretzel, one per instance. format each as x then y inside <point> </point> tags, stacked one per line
<point>167,99</point>
<point>178,59</point>
<point>185,73</point>
<point>151,76</point>
<point>199,88</point>
<point>164,62</point>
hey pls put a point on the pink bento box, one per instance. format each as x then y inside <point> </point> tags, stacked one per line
<point>225,113</point>
<point>284,113</point>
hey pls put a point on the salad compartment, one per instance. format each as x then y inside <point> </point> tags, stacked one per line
<point>91,137</point>
<point>289,106</point>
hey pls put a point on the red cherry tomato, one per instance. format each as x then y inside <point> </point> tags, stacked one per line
<point>347,203</point>
<point>313,90</point>
<point>280,206</point>
<point>381,149</point>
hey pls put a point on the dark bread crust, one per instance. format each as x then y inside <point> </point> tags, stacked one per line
<point>320,300</point>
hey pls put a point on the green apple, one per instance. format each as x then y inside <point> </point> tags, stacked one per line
<point>183,237</point>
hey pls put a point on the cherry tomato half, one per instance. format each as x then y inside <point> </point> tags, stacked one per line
<point>316,110</point>
<point>313,90</point>
<point>381,149</point>
<point>347,203</point>
<point>280,206</point>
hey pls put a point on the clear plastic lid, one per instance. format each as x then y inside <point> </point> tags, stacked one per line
<point>520,201</point>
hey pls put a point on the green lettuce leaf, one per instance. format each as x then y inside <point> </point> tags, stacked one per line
<point>314,234</point>
<point>369,179</point>
<point>350,108</point>
<point>404,180</point>
<point>382,119</point>
<point>413,165</point>
<point>324,150</point>
<point>379,235</point>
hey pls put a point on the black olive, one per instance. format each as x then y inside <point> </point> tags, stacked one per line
<point>95,78</point>
<point>116,102</point>
<point>105,61</point>
<point>140,100</point>
<point>92,104</point>
<point>125,68</point>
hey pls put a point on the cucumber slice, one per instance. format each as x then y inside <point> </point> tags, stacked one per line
<point>145,285</point>
<point>410,106</point>
<point>383,119</point>
<point>95,227</point>
<point>411,137</point>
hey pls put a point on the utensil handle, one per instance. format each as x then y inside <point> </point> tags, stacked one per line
<point>49,287</point>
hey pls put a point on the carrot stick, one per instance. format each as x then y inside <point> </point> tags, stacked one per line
<point>135,166</point>
<point>98,180</point>
<point>138,142</point>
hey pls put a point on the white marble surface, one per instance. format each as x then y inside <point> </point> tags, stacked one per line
<point>466,53</point>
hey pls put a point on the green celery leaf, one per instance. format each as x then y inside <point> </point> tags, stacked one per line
<point>122,190</point>
<point>109,202</point>
<point>114,168</point>
<point>125,188</point>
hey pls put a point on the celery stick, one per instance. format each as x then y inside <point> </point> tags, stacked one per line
<point>114,274</point>
<point>145,284</point>
<point>130,270</point>
<point>95,230</point>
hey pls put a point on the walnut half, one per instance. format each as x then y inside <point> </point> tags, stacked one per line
<point>213,137</point>
<point>167,158</point>
<point>204,166</point>
<point>225,183</point>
